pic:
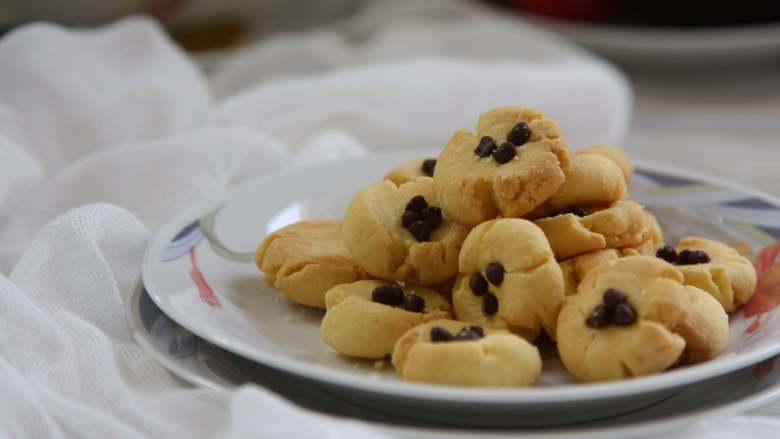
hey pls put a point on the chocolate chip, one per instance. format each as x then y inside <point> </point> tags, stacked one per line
<point>467,333</point>
<point>692,257</point>
<point>520,134</point>
<point>428,166</point>
<point>421,230</point>
<point>579,211</point>
<point>700,257</point>
<point>612,298</point>
<point>439,334</point>
<point>475,328</point>
<point>667,253</point>
<point>598,318</point>
<point>478,284</point>
<point>486,146</point>
<point>489,304</point>
<point>495,273</point>
<point>410,216</point>
<point>504,153</point>
<point>414,303</point>
<point>432,215</point>
<point>624,314</point>
<point>416,204</point>
<point>388,294</point>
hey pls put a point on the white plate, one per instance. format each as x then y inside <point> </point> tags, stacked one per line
<point>199,270</point>
<point>203,364</point>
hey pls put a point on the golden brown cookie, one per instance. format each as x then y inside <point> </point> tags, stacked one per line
<point>365,318</point>
<point>615,154</point>
<point>511,165</point>
<point>306,259</point>
<point>655,239</point>
<point>592,181</point>
<point>411,170</point>
<point>457,353</point>
<point>508,279</point>
<point>706,330</point>
<point>633,317</point>
<point>625,224</point>
<point>424,252</point>
<point>724,273</point>
<point>575,268</point>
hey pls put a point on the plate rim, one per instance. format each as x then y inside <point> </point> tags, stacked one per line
<point>422,391</point>
<point>667,423</point>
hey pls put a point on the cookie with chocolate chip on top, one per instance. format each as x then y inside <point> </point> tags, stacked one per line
<point>715,268</point>
<point>458,353</point>
<point>508,279</point>
<point>509,166</point>
<point>365,318</point>
<point>412,170</point>
<point>398,233</point>
<point>633,317</point>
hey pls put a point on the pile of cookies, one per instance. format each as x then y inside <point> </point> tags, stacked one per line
<point>454,266</point>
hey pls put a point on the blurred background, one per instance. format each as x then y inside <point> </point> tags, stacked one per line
<point>705,75</point>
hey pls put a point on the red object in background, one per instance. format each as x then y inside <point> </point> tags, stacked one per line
<point>579,10</point>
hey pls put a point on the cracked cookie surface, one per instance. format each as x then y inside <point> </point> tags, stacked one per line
<point>375,235</point>
<point>305,259</point>
<point>482,175</point>
<point>626,224</point>
<point>576,268</point>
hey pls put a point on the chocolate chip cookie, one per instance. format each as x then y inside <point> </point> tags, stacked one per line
<point>365,318</point>
<point>397,233</point>
<point>512,164</point>
<point>508,279</point>
<point>457,353</point>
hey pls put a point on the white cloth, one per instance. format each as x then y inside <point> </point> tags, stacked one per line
<point>120,117</point>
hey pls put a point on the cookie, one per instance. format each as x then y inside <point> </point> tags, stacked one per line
<point>633,317</point>
<point>654,240</point>
<point>617,155</point>
<point>717,269</point>
<point>508,279</point>
<point>706,330</point>
<point>576,268</point>
<point>623,225</point>
<point>592,181</point>
<point>511,165</point>
<point>397,234</point>
<point>306,259</point>
<point>457,353</point>
<point>411,170</point>
<point>365,318</point>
